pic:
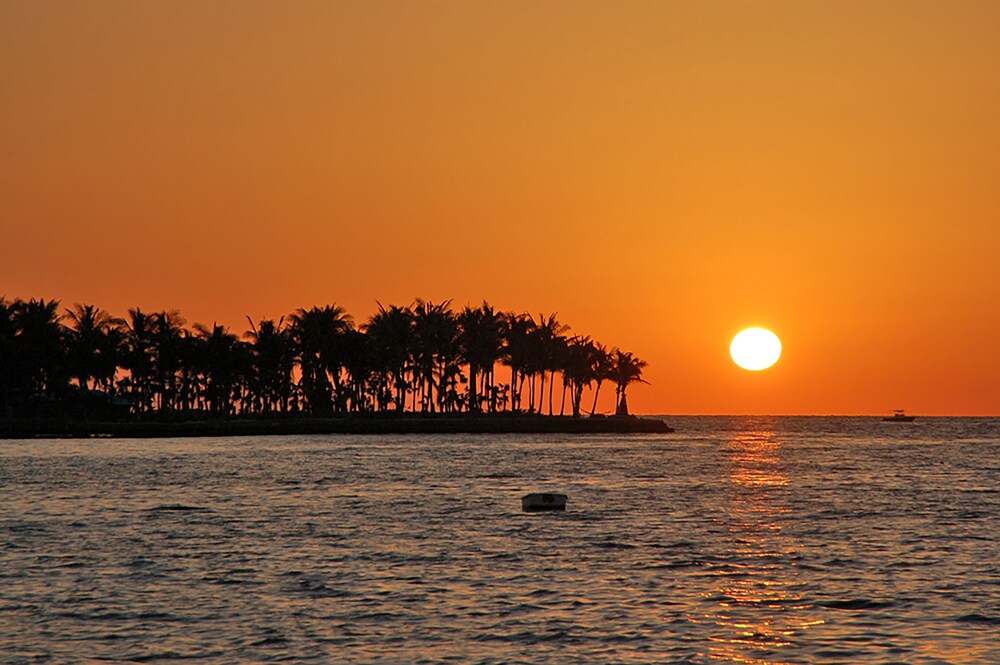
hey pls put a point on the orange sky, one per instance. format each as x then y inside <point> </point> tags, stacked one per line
<point>661,174</point>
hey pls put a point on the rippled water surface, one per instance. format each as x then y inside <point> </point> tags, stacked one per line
<point>747,540</point>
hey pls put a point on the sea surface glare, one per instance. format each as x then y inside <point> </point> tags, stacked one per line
<point>744,540</point>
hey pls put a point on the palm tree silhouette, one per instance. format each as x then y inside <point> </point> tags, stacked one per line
<point>316,332</point>
<point>273,362</point>
<point>357,359</point>
<point>480,343</point>
<point>626,370</point>
<point>190,384</point>
<point>435,358</point>
<point>602,367</point>
<point>219,363</point>
<point>549,335</point>
<point>110,356</point>
<point>10,372</point>
<point>41,345</point>
<point>168,335</point>
<point>419,352</point>
<point>579,368</point>
<point>518,337</point>
<point>87,342</point>
<point>391,334</point>
<point>492,350</point>
<point>139,359</point>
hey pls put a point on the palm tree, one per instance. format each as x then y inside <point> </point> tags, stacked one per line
<point>602,366</point>
<point>316,333</point>
<point>435,358</point>
<point>273,362</point>
<point>190,385</point>
<point>518,338</point>
<point>139,358</point>
<point>390,332</point>
<point>493,322</point>
<point>558,352</point>
<point>480,343</point>
<point>168,335</point>
<point>627,369</point>
<point>357,359</point>
<point>9,370</point>
<point>86,339</point>
<point>549,333</point>
<point>219,352</point>
<point>40,345</point>
<point>578,369</point>
<point>110,356</point>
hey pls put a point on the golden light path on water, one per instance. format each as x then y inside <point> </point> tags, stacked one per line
<point>760,609</point>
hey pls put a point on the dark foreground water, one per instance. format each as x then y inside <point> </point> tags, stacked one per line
<point>747,540</point>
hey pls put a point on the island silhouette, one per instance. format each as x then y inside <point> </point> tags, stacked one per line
<point>420,367</point>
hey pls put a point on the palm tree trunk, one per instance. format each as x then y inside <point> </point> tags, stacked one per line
<point>541,394</point>
<point>484,388</point>
<point>513,388</point>
<point>597,392</point>
<point>552,382</point>
<point>473,389</point>
<point>492,386</point>
<point>400,393</point>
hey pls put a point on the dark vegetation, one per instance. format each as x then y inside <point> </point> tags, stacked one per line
<point>426,358</point>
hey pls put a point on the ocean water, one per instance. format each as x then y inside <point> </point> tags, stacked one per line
<point>742,540</point>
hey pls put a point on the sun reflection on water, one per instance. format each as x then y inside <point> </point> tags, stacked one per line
<point>759,609</point>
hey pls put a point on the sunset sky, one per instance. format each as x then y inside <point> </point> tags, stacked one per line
<point>661,174</point>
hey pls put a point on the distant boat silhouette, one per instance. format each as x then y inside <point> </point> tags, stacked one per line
<point>899,416</point>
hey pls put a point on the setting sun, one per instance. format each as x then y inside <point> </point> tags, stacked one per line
<point>755,349</point>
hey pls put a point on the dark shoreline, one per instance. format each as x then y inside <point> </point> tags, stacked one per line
<point>407,424</point>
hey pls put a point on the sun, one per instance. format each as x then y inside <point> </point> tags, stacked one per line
<point>755,349</point>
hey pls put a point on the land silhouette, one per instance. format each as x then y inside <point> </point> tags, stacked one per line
<point>424,359</point>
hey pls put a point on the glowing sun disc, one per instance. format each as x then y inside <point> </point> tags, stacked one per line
<point>755,349</point>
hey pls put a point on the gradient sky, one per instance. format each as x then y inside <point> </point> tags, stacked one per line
<point>662,174</point>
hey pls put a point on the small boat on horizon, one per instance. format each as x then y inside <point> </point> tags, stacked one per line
<point>899,416</point>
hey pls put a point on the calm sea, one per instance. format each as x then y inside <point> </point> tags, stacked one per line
<point>744,540</point>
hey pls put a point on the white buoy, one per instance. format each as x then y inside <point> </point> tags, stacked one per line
<point>543,501</point>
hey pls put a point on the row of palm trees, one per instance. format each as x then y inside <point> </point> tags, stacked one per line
<point>425,357</point>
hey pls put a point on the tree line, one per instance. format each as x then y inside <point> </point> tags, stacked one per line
<point>425,357</point>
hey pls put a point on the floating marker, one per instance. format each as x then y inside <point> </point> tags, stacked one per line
<point>543,501</point>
